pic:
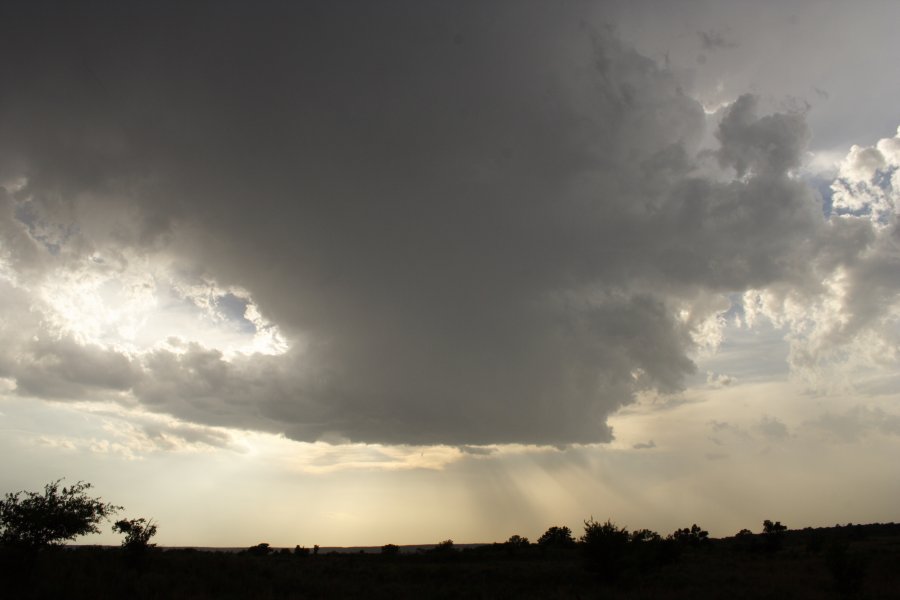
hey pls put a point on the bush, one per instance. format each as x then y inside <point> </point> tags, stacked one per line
<point>745,541</point>
<point>650,550</point>
<point>773,529</point>
<point>644,536</point>
<point>390,549</point>
<point>556,537</point>
<point>262,549</point>
<point>34,520</point>
<point>603,535</point>
<point>773,533</point>
<point>605,546</point>
<point>137,533</point>
<point>695,536</point>
<point>444,547</point>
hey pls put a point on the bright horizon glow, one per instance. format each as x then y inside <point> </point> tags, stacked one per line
<point>370,495</point>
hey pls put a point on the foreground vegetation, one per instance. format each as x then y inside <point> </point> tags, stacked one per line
<point>857,561</point>
<point>606,561</point>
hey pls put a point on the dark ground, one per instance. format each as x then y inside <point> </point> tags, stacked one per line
<point>861,561</point>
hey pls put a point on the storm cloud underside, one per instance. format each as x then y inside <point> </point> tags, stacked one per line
<point>471,229</point>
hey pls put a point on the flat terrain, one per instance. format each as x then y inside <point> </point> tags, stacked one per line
<point>861,561</point>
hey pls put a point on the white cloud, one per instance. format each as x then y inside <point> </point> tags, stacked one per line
<point>868,183</point>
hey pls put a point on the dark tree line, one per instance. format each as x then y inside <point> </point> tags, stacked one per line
<point>31,522</point>
<point>62,513</point>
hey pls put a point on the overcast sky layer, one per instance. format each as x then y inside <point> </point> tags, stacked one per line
<point>452,269</point>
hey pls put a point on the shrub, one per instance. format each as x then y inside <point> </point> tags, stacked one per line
<point>695,536</point>
<point>603,535</point>
<point>649,550</point>
<point>390,549</point>
<point>605,545</point>
<point>745,541</point>
<point>773,533</point>
<point>644,536</point>
<point>773,529</point>
<point>137,533</point>
<point>556,537</point>
<point>262,549</point>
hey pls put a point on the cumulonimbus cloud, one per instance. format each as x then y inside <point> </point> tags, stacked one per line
<point>473,231</point>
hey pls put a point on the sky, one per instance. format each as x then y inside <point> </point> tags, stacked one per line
<point>357,273</point>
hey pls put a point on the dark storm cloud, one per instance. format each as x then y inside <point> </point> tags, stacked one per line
<point>63,368</point>
<point>714,40</point>
<point>21,250</point>
<point>772,144</point>
<point>173,436</point>
<point>478,224</point>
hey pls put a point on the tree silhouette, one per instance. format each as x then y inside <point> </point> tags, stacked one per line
<point>605,546</point>
<point>556,536</point>
<point>262,549</point>
<point>603,534</point>
<point>35,520</point>
<point>390,549</point>
<point>650,550</point>
<point>776,528</point>
<point>644,535</point>
<point>137,533</point>
<point>773,533</point>
<point>694,536</point>
<point>745,541</point>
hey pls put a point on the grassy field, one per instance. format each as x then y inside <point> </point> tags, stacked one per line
<point>846,562</point>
